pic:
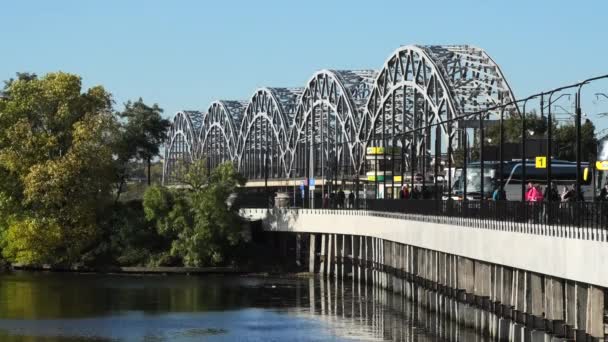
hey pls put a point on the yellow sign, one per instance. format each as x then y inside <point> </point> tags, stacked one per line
<point>601,165</point>
<point>383,150</point>
<point>375,150</point>
<point>397,178</point>
<point>541,162</point>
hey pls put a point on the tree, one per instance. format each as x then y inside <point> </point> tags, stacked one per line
<point>536,126</point>
<point>565,137</point>
<point>204,227</point>
<point>56,166</point>
<point>143,131</point>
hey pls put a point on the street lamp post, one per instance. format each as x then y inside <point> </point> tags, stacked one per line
<point>523,148</point>
<point>550,136</point>
<point>578,141</point>
<point>464,163</point>
<point>501,151</point>
<point>481,158</point>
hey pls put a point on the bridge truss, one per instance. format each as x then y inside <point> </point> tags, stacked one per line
<point>414,102</point>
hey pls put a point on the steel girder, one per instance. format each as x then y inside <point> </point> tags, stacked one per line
<point>182,143</point>
<point>324,128</point>
<point>327,121</point>
<point>424,85</point>
<point>218,137</point>
<point>264,130</point>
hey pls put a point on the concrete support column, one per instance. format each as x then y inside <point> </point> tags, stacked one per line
<point>323,256</point>
<point>519,290</point>
<point>588,307</point>
<point>336,256</point>
<point>298,250</point>
<point>507,287</point>
<point>482,279</point>
<point>554,299</point>
<point>359,249</point>
<point>535,297</point>
<point>347,255</point>
<point>466,275</point>
<point>311,253</point>
<point>330,255</point>
<point>595,312</point>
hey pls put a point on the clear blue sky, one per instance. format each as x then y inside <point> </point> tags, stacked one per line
<point>184,54</point>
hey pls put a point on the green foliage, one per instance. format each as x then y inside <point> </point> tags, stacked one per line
<point>142,131</point>
<point>564,136</point>
<point>535,127</point>
<point>65,158</point>
<point>566,142</point>
<point>204,227</point>
<point>56,166</point>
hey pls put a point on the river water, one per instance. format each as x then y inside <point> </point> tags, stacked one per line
<point>91,307</point>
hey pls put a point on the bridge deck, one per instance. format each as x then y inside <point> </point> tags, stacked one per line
<point>572,253</point>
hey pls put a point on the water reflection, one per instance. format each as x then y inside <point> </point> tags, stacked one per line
<point>86,307</point>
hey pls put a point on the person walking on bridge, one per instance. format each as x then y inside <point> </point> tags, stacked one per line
<point>533,197</point>
<point>534,194</point>
<point>351,199</point>
<point>341,198</point>
<point>405,192</point>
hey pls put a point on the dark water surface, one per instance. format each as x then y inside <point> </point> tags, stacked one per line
<point>90,307</point>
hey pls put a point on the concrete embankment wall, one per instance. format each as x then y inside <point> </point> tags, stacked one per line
<point>533,284</point>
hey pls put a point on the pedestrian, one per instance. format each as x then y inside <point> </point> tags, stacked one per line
<point>426,194</point>
<point>531,193</point>
<point>603,198</point>
<point>341,198</point>
<point>563,193</point>
<point>604,194</point>
<point>568,195</point>
<point>496,194</point>
<point>415,194</point>
<point>326,200</point>
<point>405,192</point>
<point>503,194</point>
<point>539,194</point>
<point>551,195</point>
<point>351,199</point>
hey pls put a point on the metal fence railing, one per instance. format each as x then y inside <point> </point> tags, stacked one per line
<point>583,220</point>
<point>504,215</point>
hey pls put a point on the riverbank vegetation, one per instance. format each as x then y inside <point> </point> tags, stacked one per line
<point>66,161</point>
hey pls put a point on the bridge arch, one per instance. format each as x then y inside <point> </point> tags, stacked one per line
<point>423,85</point>
<point>182,143</point>
<point>264,130</point>
<point>218,136</point>
<point>324,129</point>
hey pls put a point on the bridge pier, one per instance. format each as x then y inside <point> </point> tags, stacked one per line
<point>498,301</point>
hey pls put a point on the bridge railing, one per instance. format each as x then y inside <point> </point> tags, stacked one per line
<point>585,220</point>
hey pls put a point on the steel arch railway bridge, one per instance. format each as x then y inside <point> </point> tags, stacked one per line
<point>323,129</point>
